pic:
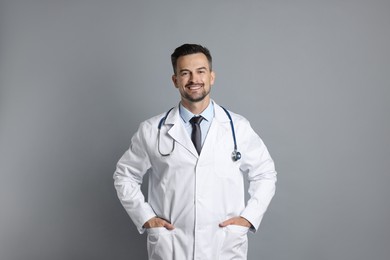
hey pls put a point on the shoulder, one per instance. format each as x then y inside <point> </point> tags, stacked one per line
<point>236,118</point>
<point>151,124</point>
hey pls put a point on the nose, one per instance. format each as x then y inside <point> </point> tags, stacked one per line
<point>194,78</point>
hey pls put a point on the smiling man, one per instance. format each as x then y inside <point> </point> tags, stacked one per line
<point>194,78</point>
<point>196,155</point>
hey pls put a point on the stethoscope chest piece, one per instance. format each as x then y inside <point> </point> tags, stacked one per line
<point>236,155</point>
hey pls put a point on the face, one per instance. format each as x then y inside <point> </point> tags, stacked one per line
<point>193,78</point>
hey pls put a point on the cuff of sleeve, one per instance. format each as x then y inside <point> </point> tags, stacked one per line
<point>143,215</point>
<point>254,220</point>
<point>140,227</point>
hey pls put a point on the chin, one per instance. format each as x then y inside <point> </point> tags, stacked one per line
<point>196,99</point>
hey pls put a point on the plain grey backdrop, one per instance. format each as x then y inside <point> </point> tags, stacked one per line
<point>77,78</point>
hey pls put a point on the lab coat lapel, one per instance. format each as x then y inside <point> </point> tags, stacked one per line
<point>220,127</point>
<point>178,132</point>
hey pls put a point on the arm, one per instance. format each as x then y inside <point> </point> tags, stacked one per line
<point>128,179</point>
<point>259,167</point>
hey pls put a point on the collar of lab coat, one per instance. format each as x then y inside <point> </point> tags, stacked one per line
<point>174,116</point>
<point>219,127</point>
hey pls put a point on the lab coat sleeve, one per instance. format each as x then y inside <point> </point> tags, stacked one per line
<point>128,176</point>
<point>260,169</point>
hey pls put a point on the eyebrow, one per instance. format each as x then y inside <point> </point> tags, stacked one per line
<point>200,68</point>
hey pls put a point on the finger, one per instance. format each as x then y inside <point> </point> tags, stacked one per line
<point>149,223</point>
<point>163,223</point>
<point>227,222</point>
<point>155,222</point>
<point>245,222</point>
<point>160,222</point>
<point>169,226</point>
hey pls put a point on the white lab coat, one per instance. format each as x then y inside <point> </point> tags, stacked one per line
<point>196,193</point>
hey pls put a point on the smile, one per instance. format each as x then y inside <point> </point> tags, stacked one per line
<point>194,86</point>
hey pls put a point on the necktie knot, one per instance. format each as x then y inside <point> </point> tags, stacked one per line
<point>196,120</point>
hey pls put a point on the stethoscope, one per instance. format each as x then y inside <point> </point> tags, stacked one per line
<point>236,155</point>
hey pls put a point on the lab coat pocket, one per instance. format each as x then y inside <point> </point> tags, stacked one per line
<point>235,245</point>
<point>237,229</point>
<point>160,243</point>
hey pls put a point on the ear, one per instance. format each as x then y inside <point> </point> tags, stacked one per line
<point>212,77</point>
<point>174,80</point>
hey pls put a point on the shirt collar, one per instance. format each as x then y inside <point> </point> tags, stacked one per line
<point>207,114</point>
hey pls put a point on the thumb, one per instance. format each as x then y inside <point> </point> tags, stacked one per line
<point>169,226</point>
<point>226,223</point>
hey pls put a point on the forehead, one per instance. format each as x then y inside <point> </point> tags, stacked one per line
<point>192,61</point>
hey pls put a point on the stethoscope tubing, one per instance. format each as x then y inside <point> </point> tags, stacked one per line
<point>236,155</point>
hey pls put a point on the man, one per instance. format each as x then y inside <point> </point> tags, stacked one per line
<point>196,207</point>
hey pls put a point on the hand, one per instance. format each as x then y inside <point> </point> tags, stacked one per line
<point>158,222</point>
<point>239,221</point>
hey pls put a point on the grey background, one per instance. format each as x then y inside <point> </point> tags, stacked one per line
<point>77,77</point>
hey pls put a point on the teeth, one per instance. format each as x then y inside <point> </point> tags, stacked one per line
<point>194,87</point>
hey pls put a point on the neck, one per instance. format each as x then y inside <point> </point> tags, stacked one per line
<point>196,107</point>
